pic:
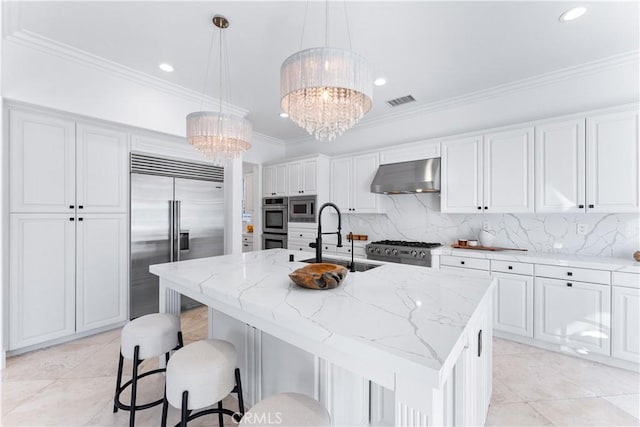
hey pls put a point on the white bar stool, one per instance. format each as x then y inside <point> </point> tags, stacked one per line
<point>147,336</point>
<point>287,409</point>
<point>199,375</point>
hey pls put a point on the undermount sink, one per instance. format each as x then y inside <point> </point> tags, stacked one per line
<point>360,266</point>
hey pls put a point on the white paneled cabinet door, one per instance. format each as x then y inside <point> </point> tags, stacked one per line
<point>513,304</point>
<point>268,181</point>
<point>43,161</point>
<point>462,175</point>
<point>102,170</point>
<point>295,179</point>
<point>101,270</point>
<point>42,278</point>
<point>364,169</point>
<point>341,183</point>
<point>613,162</point>
<point>281,180</point>
<point>560,166</point>
<point>508,171</point>
<point>574,314</point>
<point>310,176</point>
<point>626,324</point>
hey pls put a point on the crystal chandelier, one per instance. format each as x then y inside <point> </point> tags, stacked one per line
<point>219,136</point>
<point>324,90</point>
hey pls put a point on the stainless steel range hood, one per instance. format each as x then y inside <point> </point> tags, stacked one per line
<point>418,176</point>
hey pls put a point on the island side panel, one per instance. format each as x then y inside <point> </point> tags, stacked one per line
<point>169,299</point>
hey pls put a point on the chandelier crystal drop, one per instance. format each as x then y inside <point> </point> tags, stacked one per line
<point>326,91</point>
<point>219,136</point>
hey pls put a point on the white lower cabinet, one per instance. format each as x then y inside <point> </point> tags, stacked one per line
<point>67,275</point>
<point>626,324</point>
<point>513,304</point>
<point>42,278</point>
<point>573,314</point>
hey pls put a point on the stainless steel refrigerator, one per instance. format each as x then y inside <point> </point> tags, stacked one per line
<point>177,214</point>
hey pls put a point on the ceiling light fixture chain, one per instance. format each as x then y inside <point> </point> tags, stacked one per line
<point>304,23</point>
<point>346,19</point>
<point>220,136</point>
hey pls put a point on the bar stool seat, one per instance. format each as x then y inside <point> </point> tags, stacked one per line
<point>287,409</point>
<point>148,336</point>
<point>200,375</point>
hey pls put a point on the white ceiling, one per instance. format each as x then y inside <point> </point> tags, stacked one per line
<point>431,50</point>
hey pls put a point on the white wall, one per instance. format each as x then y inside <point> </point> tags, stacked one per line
<point>592,86</point>
<point>4,213</point>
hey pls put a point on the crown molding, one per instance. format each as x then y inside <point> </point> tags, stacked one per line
<point>268,139</point>
<point>44,44</point>
<point>549,78</point>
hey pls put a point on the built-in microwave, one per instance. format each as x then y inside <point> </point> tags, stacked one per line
<point>274,215</point>
<point>302,209</point>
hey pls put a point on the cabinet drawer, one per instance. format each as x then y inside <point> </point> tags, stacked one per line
<point>511,267</point>
<point>465,271</point>
<point>465,262</point>
<point>569,273</point>
<point>628,280</point>
<point>247,239</point>
<point>302,234</point>
<point>346,250</point>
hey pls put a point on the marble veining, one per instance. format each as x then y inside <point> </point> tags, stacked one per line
<point>418,217</point>
<point>414,315</point>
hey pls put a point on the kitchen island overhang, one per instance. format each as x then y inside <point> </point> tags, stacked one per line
<point>406,328</point>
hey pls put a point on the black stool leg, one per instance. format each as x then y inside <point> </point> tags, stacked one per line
<point>118,382</point>
<point>185,411</point>
<point>165,408</point>
<point>134,387</point>
<point>239,392</point>
<point>220,420</point>
<point>180,342</point>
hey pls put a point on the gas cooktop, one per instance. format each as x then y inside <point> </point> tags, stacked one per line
<point>415,253</point>
<point>406,243</point>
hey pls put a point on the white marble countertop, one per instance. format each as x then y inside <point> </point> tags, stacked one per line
<point>394,313</point>
<point>569,260</point>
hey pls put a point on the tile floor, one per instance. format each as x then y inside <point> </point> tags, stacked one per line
<point>72,385</point>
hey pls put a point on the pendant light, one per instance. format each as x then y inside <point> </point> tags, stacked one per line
<point>326,90</point>
<point>220,136</point>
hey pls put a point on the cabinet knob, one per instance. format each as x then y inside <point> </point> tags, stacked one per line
<point>569,284</point>
<point>71,206</point>
<point>485,208</point>
<point>80,207</point>
<point>80,219</point>
<point>569,273</point>
<point>72,219</point>
<point>510,267</point>
<point>301,235</point>
<point>462,262</point>
<point>479,208</point>
<point>581,206</point>
<point>591,206</point>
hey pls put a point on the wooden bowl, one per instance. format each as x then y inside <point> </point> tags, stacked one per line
<point>319,276</point>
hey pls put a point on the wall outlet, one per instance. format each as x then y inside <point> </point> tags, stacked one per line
<point>485,225</point>
<point>581,229</point>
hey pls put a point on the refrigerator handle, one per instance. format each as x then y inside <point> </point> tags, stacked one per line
<point>177,215</point>
<point>172,233</point>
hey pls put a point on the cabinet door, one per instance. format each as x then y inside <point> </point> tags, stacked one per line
<point>248,192</point>
<point>42,274</point>
<point>513,304</point>
<point>101,270</point>
<point>295,179</point>
<point>281,182</point>
<point>268,181</point>
<point>341,183</point>
<point>461,181</point>
<point>560,166</point>
<point>613,163</point>
<point>43,172</point>
<point>508,171</point>
<point>574,314</point>
<point>102,179</point>
<point>626,324</point>
<point>364,170</point>
<point>310,177</point>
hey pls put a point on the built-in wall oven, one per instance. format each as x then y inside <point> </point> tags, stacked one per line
<point>274,241</point>
<point>274,215</point>
<point>302,209</point>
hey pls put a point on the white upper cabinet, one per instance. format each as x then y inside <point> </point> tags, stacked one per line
<point>102,171</point>
<point>508,171</point>
<point>248,183</point>
<point>351,183</point>
<point>560,166</point>
<point>275,180</point>
<point>42,278</point>
<point>101,270</point>
<point>613,160</point>
<point>42,163</point>
<point>461,181</point>
<point>303,177</point>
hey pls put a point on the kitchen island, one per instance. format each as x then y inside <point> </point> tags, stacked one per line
<point>395,345</point>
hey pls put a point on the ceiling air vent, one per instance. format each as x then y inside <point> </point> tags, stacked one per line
<point>401,101</point>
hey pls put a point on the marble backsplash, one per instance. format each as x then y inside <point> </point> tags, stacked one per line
<point>417,217</point>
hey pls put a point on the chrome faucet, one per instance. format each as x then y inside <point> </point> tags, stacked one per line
<point>318,244</point>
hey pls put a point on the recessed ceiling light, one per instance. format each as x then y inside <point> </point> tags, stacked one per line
<point>572,14</point>
<point>380,81</point>
<point>166,67</point>
<point>284,115</point>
